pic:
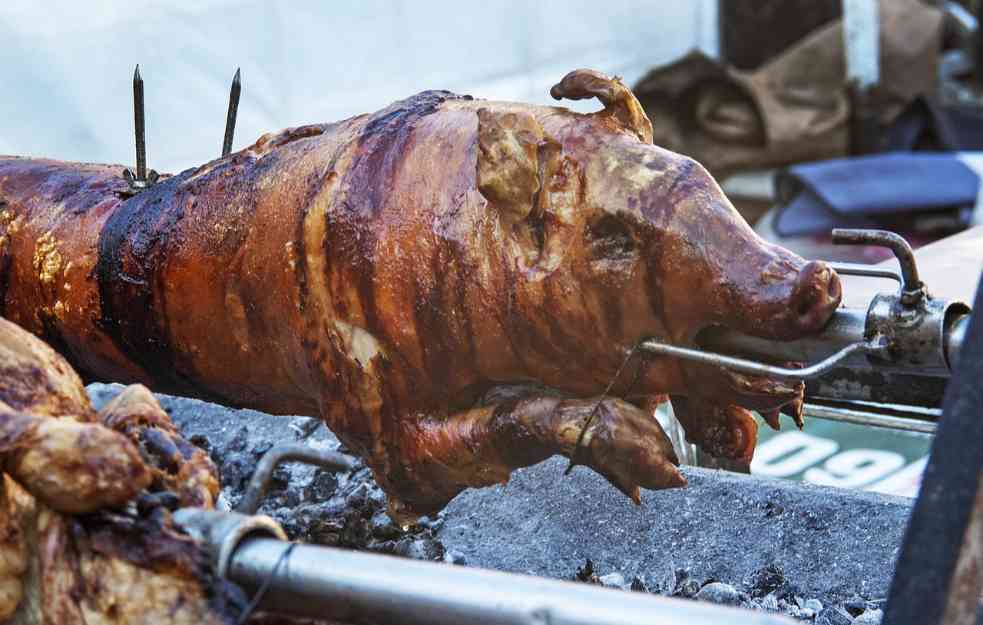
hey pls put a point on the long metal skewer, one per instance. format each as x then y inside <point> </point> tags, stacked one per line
<point>756,368</point>
<point>230,119</point>
<point>139,128</point>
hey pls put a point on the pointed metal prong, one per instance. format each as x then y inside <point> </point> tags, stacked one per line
<point>138,126</point>
<point>230,119</point>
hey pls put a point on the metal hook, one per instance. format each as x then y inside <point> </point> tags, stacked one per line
<point>912,288</point>
<point>285,452</point>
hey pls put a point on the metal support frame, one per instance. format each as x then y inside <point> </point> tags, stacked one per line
<point>939,574</point>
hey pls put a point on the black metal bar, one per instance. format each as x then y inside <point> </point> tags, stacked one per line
<point>230,119</point>
<point>938,578</point>
<point>139,125</point>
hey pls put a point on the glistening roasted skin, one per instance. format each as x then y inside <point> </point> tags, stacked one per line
<point>389,270</point>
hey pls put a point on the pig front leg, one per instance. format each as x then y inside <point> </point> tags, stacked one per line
<point>482,446</point>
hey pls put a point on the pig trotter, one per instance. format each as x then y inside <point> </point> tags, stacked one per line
<point>482,446</point>
<point>618,100</point>
<point>724,431</point>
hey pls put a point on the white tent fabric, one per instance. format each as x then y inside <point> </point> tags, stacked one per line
<point>66,66</point>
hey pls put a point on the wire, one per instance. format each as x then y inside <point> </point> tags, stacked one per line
<point>597,407</point>
<point>251,606</point>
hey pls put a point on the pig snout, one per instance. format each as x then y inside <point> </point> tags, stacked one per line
<point>815,295</point>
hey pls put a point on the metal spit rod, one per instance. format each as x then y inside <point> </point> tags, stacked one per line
<point>752,367</point>
<point>349,586</point>
<point>872,419</point>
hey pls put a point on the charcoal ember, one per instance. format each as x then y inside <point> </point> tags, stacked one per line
<point>586,573</point>
<point>383,527</point>
<point>420,549</point>
<point>239,440</point>
<point>235,471</point>
<point>767,580</point>
<point>260,447</point>
<point>688,587</point>
<point>201,442</point>
<point>452,556</point>
<point>769,603</point>
<point>613,580</point>
<point>719,592</point>
<point>857,605</point>
<point>834,616</point>
<point>321,487</point>
<point>638,585</point>
<point>869,617</point>
<point>665,578</point>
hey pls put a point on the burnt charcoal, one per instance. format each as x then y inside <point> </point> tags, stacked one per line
<point>856,605</point>
<point>420,549</point>
<point>586,573</point>
<point>869,617</point>
<point>769,603</point>
<point>834,616</point>
<point>452,556</point>
<point>200,441</point>
<point>665,579</point>
<point>688,587</point>
<point>719,592</point>
<point>258,448</point>
<point>613,580</point>
<point>383,527</point>
<point>767,580</point>
<point>321,487</point>
<point>239,440</point>
<point>235,472</point>
<point>638,585</point>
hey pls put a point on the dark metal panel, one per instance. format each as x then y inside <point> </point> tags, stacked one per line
<point>938,577</point>
<point>742,23</point>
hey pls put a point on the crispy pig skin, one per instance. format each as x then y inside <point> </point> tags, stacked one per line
<point>386,270</point>
<point>70,549</point>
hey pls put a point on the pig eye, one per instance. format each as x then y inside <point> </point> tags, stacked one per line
<point>609,238</point>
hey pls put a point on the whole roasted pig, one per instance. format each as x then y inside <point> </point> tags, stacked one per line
<point>450,283</point>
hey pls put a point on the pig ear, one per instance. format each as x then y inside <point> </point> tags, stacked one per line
<point>619,102</point>
<point>508,161</point>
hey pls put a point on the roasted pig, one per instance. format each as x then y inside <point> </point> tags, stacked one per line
<point>391,272</point>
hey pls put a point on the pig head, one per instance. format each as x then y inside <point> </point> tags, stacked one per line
<point>615,240</point>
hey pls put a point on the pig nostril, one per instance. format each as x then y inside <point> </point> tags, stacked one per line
<point>816,296</point>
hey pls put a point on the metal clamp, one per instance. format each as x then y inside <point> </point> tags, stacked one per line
<point>221,532</point>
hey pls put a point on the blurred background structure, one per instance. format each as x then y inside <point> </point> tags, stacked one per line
<point>67,65</point>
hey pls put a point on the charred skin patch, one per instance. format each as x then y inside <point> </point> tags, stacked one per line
<point>133,252</point>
